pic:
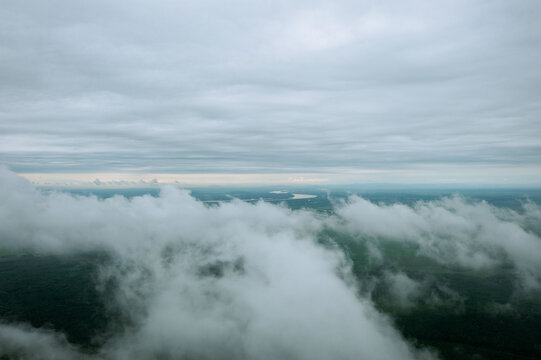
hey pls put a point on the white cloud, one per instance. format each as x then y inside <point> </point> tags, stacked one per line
<point>452,231</point>
<point>404,290</point>
<point>25,342</point>
<point>244,280</point>
<point>234,281</point>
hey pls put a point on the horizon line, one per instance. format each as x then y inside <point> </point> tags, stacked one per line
<point>155,180</point>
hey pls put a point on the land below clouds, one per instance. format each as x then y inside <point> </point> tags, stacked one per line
<point>455,277</point>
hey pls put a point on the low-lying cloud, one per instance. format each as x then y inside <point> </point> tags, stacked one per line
<point>237,281</point>
<point>249,281</point>
<point>453,232</point>
<point>24,342</point>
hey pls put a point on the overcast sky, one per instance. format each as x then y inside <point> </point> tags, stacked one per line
<point>328,91</point>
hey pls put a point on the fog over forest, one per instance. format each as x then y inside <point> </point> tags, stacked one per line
<point>252,280</point>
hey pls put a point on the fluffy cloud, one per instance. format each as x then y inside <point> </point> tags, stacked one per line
<point>453,231</point>
<point>232,281</point>
<point>24,342</point>
<point>402,288</point>
<point>254,281</point>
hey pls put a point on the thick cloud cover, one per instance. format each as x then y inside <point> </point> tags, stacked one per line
<point>238,281</point>
<point>389,90</point>
<point>252,281</point>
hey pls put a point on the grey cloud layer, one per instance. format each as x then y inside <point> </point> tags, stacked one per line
<point>250,86</point>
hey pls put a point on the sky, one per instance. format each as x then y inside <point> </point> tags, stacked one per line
<point>240,92</point>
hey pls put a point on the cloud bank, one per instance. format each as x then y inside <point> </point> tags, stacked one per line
<point>453,232</point>
<point>236,281</point>
<point>254,281</point>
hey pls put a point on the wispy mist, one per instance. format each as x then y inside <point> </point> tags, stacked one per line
<point>453,231</point>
